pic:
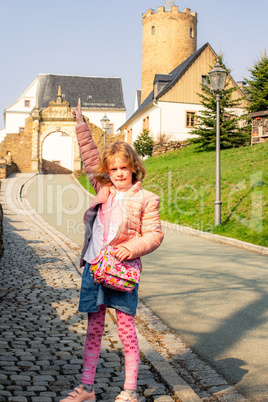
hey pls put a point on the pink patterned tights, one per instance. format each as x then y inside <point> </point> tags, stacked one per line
<point>128,336</point>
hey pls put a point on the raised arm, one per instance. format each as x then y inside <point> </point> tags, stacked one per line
<point>88,149</point>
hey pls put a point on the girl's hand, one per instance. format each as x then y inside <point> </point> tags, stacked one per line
<point>77,114</point>
<point>121,253</point>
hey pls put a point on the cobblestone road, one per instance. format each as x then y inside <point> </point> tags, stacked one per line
<point>42,334</point>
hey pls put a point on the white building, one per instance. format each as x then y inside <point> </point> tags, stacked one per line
<point>98,96</point>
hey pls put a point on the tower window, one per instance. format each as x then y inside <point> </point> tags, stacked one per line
<point>153,30</point>
<point>191,33</point>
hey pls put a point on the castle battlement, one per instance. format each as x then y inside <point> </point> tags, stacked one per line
<point>174,10</point>
<point>148,12</point>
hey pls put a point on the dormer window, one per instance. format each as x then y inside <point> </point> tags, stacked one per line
<point>153,30</point>
<point>160,81</point>
<point>27,103</point>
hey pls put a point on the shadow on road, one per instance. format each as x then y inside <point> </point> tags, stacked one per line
<point>215,296</point>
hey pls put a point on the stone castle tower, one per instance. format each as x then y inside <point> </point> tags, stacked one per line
<point>169,37</point>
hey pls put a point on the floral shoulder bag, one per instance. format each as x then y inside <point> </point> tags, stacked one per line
<point>110,272</point>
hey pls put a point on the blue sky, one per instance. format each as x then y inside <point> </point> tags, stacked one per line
<point>104,38</point>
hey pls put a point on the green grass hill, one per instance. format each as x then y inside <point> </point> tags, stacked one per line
<point>185,182</point>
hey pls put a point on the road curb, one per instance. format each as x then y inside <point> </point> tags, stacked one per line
<point>179,388</point>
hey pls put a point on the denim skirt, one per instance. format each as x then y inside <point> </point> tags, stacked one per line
<point>93,295</point>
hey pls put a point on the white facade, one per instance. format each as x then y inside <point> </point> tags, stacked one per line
<point>2,134</point>
<point>15,115</point>
<point>169,118</point>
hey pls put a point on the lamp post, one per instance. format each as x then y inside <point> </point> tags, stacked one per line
<point>218,78</point>
<point>104,125</point>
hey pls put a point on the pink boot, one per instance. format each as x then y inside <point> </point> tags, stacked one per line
<point>79,394</point>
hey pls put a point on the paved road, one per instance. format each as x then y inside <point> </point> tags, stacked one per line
<point>215,297</point>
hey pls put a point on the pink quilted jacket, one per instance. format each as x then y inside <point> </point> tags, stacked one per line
<point>140,228</point>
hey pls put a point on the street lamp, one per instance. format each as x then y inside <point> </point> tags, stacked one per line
<point>105,125</point>
<point>217,77</point>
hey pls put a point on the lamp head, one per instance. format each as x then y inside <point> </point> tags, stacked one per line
<point>217,77</point>
<point>105,122</point>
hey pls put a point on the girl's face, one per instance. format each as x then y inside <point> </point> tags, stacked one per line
<point>120,174</point>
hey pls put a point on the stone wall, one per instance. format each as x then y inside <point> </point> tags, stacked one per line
<point>98,136</point>
<point>162,148</point>
<point>18,147</point>
<point>7,167</point>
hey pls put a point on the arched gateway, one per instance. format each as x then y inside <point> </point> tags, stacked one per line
<point>54,121</point>
<point>56,125</point>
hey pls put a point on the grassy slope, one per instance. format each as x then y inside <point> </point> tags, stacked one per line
<point>185,183</point>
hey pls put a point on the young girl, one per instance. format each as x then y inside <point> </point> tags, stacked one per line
<point>131,218</point>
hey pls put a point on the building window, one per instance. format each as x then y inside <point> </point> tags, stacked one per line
<point>145,123</point>
<point>153,30</point>
<point>27,103</point>
<point>110,129</point>
<point>227,117</point>
<point>129,136</point>
<point>21,130</point>
<point>191,33</point>
<point>190,119</point>
<point>205,80</point>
